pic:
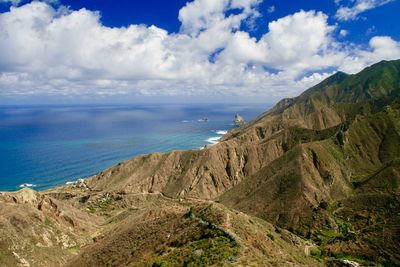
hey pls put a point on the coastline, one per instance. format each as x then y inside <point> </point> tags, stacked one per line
<point>79,181</point>
<point>73,142</point>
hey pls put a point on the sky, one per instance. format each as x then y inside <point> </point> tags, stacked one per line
<point>69,51</point>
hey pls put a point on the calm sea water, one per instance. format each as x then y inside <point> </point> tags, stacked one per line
<point>42,147</point>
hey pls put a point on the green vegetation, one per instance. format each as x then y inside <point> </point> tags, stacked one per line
<point>301,135</point>
<point>316,252</point>
<point>102,205</point>
<point>336,153</point>
<point>74,249</point>
<point>345,228</point>
<point>271,236</point>
<point>47,221</point>
<point>190,213</point>
<point>203,252</point>
<point>91,209</point>
<point>212,247</point>
<point>326,236</point>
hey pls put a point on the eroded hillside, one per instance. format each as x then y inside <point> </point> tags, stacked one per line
<point>313,181</point>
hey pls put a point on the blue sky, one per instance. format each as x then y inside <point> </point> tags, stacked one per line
<point>221,50</point>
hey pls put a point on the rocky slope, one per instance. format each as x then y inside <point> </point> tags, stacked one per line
<point>78,227</point>
<point>317,174</point>
<point>38,230</point>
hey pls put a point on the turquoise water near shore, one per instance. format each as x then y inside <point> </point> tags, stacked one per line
<point>46,146</point>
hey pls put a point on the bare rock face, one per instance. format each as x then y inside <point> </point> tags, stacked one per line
<point>23,196</point>
<point>34,227</point>
<point>238,120</point>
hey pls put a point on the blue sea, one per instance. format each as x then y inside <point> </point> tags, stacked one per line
<point>46,146</point>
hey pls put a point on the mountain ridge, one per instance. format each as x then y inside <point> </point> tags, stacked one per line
<point>319,171</point>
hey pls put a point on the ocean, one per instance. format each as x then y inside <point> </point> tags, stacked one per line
<point>45,146</point>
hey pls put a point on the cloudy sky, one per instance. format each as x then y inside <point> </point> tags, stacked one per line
<point>201,50</point>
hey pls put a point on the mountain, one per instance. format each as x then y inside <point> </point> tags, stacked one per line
<point>314,181</point>
<point>337,182</point>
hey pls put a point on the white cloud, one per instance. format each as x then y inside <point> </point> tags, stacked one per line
<point>380,48</point>
<point>345,13</point>
<point>244,49</point>
<point>44,51</point>
<point>295,43</point>
<point>201,15</point>
<point>301,41</point>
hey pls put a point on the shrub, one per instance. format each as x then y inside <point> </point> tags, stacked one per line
<point>271,236</point>
<point>190,213</point>
<point>316,252</point>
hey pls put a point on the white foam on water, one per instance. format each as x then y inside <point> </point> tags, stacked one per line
<point>221,132</point>
<point>69,182</point>
<point>213,140</point>
<point>26,185</point>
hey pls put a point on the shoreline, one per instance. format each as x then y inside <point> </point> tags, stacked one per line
<point>30,185</point>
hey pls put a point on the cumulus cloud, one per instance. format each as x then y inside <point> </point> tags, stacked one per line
<point>380,48</point>
<point>48,51</point>
<point>345,13</point>
<point>301,41</point>
<point>202,15</point>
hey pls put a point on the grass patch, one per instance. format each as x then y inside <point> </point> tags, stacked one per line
<point>203,252</point>
<point>102,205</point>
<point>74,249</point>
<point>91,209</point>
<point>315,252</point>
<point>47,222</point>
<point>357,180</point>
<point>345,228</point>
<point>324,237</point>
<point>336,153</point>
<point>212,247</point>
<point>271,236</point>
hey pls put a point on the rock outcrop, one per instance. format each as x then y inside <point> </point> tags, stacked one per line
<point>238,120</point>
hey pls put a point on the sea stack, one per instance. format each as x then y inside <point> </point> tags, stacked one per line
<point>239,121</point>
